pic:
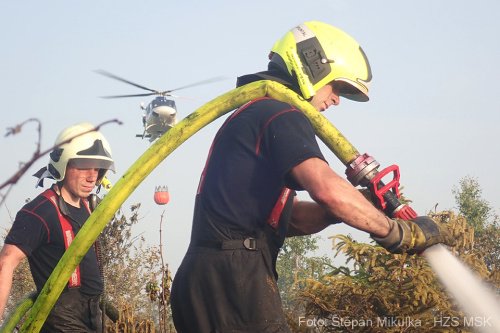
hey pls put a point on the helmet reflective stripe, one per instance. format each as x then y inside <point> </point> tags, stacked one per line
<point>84,147</point>
<point>317,53</point>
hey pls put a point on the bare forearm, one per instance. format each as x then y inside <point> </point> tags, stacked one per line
<point>5,287</point>
<point>10,257</point>
<point>352,208</point>
<point>309,218</point>
<point>339,198</point>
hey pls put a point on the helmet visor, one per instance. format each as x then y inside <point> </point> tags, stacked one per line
<point>348,90</point>
<point>91,163</point>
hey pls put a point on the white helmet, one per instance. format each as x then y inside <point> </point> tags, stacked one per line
<point>88,150</point>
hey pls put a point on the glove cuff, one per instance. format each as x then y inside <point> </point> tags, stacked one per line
<point>392,240</point>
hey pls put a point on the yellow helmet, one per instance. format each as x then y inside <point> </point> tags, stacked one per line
<point>316,53</point>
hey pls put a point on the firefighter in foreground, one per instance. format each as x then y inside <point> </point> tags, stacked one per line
<point>246,204</point>
<point>44,228</point>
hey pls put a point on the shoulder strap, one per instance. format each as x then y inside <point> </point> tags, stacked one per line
<point>274,218</point>
<point>68,234</point>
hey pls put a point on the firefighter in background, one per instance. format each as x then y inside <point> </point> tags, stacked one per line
<point>246,205</point>
<point>44,228</point>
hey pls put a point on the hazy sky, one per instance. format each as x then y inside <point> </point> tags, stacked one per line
<point>433,108</point>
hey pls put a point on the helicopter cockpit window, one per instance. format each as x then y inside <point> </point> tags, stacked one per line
<point>163,101</point>
<point>170,103</point>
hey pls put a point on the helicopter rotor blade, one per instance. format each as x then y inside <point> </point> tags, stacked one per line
<point>214,79</point>
<point>182,97</point>
<point>113,76</point>
<point>132,95</point>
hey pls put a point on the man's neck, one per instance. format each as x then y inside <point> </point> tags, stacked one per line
<point>70,198</point>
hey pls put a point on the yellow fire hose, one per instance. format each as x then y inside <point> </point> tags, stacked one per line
<point>151,158</point>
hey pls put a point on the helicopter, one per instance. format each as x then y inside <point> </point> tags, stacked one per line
<point>160,114</point>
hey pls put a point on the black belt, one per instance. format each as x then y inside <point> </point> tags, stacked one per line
<point>249,243</point>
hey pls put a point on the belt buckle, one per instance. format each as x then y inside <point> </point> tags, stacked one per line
<point>250,244</point>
